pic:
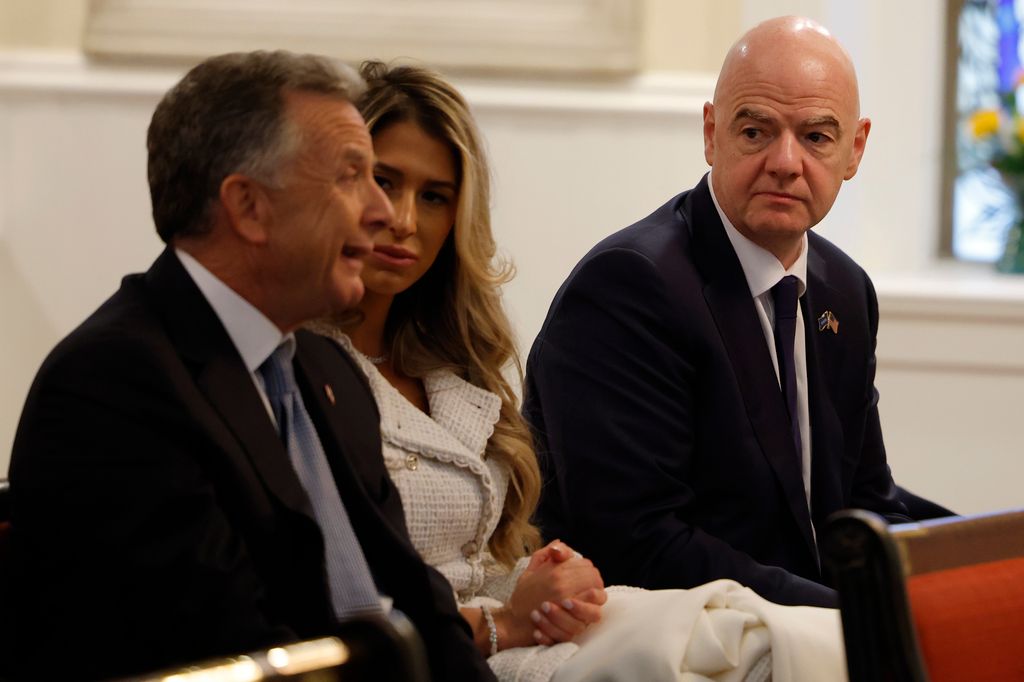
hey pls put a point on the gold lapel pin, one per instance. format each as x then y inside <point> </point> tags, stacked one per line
<point>828,321</point>
<point>330,393</point>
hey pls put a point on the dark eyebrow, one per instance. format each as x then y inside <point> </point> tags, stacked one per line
<point>813,122</point>
<point>825,120</point>
<point>432,183</point>
<point>752,114</point>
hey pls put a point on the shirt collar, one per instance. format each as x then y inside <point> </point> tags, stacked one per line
<point>761,268</point>
<point>255,337</point>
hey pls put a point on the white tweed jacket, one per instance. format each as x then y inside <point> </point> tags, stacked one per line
<point>453,496</point>
<point>451,493</point>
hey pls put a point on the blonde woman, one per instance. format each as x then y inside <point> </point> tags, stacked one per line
<point>433,339</point>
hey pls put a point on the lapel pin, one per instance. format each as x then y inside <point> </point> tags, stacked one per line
<point>330,393</point>
<point>828,321</point>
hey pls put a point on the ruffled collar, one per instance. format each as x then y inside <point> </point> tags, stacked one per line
<point>459,410</point>
<point>466,411</point>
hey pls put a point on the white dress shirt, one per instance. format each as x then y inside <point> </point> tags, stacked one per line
<point>255,337</point>
<point>763,271</point>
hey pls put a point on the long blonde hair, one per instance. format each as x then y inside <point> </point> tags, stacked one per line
<point>452,318</point>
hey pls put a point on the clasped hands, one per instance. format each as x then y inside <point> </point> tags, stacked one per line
<point>558,595</point>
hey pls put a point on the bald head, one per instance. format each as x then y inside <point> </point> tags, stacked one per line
<point>789,43</point>
<point>784,131</point>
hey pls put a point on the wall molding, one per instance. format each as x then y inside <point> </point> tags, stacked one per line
<point>655,93</point>
<point>550,36</point>
<point>953,319</point>
<point>950,290</point>
<point>25,72</point>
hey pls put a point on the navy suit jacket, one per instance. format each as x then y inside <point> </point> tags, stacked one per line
<point>663,434</point>
<point>157,519</point>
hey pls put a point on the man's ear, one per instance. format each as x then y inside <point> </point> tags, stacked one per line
<point>709,133</point>
<point>247,207</point>
<point>860,140</point>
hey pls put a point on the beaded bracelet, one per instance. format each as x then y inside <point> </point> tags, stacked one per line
<point>492,629</point>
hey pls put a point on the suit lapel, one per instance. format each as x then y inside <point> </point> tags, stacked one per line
<point>824,354</point>
<point>200,338</point>
<point>232,394</point>
<point>346,417</point>
<point>728,297</point>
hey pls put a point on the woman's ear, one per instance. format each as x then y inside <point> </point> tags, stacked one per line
<point>247,206</point>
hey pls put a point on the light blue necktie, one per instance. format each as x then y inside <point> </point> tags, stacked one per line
<point>351,584</point>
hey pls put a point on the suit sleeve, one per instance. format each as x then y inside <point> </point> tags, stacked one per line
<point>127,555</point>
<point>873,488</point>
<point>613,395</point>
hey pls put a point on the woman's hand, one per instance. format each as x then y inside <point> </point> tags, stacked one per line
<point>559,594</point>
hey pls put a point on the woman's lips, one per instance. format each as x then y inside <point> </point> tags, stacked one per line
<point>396,256</point>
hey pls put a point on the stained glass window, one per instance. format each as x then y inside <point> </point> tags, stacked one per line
<point>988,75</point>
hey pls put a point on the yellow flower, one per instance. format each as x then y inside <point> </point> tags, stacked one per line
<point>985,122</point>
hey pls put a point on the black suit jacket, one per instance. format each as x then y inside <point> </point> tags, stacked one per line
<point>157,519</point>
<point>663,434</point>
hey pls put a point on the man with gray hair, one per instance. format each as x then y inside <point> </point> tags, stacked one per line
<point>192,474</point>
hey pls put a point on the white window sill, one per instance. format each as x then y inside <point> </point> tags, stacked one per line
<point>952,289</point>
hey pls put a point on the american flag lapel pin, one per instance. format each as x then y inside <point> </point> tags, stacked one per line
<point>828,321</point>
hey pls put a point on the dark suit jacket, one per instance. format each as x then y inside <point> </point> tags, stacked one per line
<point>662,431</point>
<point>157,519</point>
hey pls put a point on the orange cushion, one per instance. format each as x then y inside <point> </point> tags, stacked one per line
<point>970,621</point>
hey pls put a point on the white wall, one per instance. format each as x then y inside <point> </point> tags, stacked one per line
<point>572,164</point>
<point>46,24</point>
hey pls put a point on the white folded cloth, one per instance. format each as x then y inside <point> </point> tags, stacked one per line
<point>719,631</point>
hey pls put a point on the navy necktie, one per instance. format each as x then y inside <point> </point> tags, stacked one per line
<point>784,297</point>
<point>351,584</point>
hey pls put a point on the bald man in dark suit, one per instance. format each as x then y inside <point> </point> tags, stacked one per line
<point>702,390</point>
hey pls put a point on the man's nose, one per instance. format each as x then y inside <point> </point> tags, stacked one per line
<point>378,213</point>
<point>785,156</point>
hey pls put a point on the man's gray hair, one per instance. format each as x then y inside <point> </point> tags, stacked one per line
<point>227,115</point>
